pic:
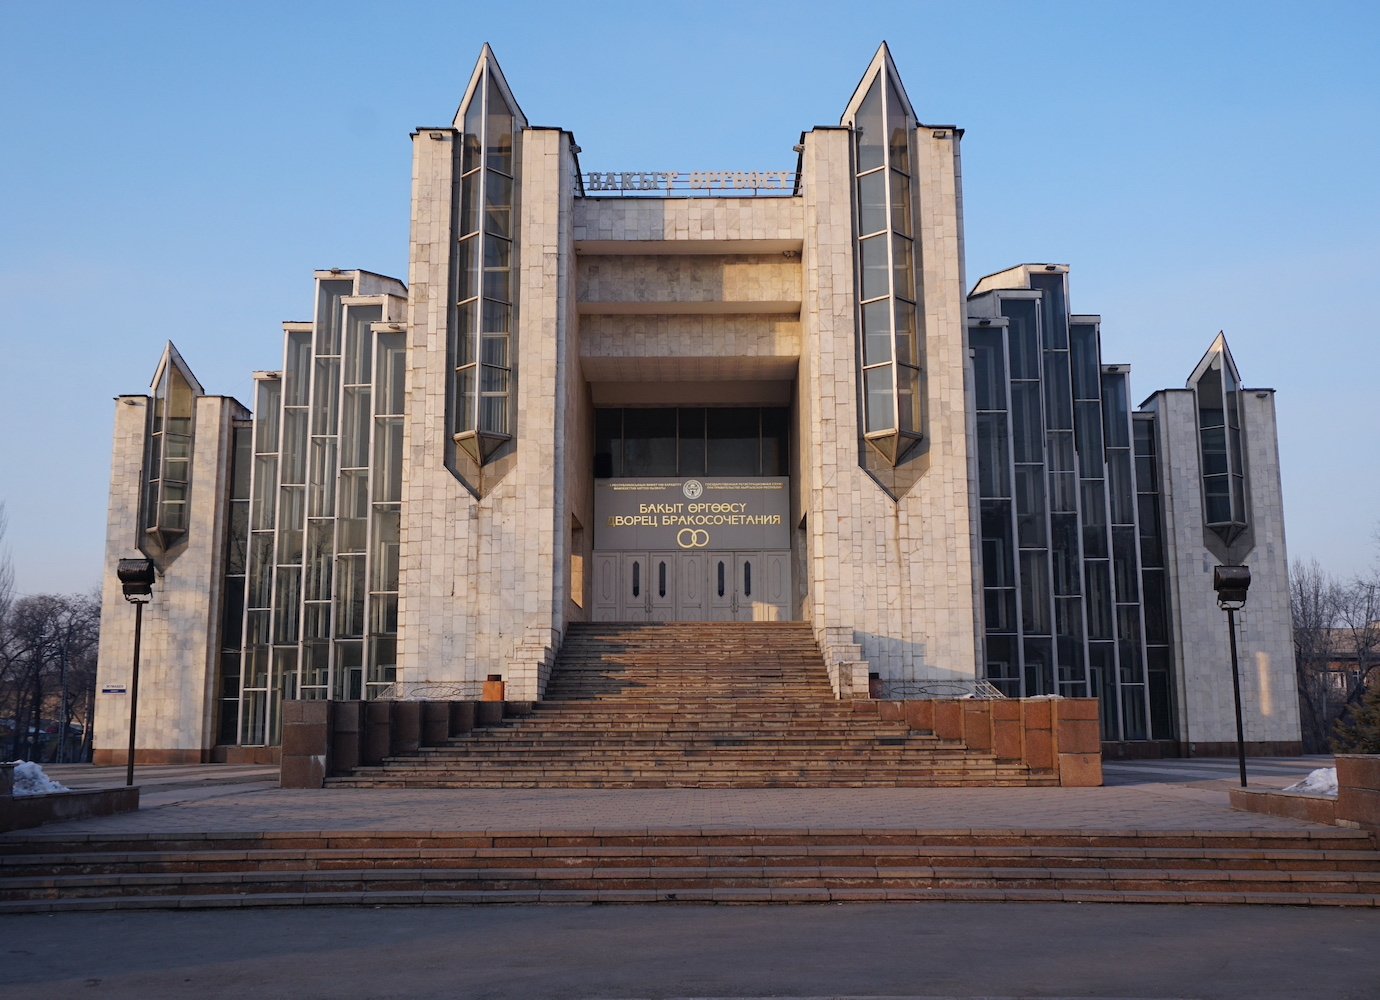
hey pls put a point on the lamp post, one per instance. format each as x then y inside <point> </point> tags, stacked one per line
<point>1231,584</point>
<point>136,577</point>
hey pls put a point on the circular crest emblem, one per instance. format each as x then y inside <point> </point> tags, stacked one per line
<point>693,489</point>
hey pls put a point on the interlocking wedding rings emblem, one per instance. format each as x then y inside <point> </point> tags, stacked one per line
<point>692,538</point>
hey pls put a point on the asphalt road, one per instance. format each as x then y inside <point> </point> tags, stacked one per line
<point>926,950</point>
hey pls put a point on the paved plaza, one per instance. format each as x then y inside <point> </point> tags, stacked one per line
<point>916,950</point>
<point>1138,795</point>
<point>881,952</point>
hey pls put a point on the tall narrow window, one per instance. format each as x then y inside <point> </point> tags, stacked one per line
<point>168,459</point>
<point>1216,386</point>
<point>482,327</point>
<point>890,384</point>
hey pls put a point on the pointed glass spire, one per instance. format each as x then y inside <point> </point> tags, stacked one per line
<point>168,453</point>
<point>483,331</point>
<point>891,380</point>
<point>1216,385</point>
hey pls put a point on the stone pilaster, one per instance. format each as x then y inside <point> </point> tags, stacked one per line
<point>898,573</point>
<point>180,646</point>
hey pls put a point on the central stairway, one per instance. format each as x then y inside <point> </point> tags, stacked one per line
<point>688,705</point>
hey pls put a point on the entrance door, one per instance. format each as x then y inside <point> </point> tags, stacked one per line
<point>748,569</point>
<point>661,587</point>
<point>692,586</point>
<point>721,588</point>
<point>692,576</point>
<point>608,583</point>
<point>633,603</point>
<point>774,602</point>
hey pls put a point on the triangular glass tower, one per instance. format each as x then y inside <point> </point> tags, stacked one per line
<point>168,460</point>
<point>483,327</point>
<point>890,339</point>
<point>1216,385</point>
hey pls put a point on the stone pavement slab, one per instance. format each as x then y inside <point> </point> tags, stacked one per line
<point>1151,795</point>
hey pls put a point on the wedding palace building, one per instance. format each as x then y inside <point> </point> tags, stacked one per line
<point>696,396</point>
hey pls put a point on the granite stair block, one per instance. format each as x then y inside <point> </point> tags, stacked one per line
<point>705,705</point>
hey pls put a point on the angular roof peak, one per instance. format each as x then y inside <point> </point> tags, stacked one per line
<point>1217,349</point>
<point>487,60</point>
<point>881,63</point>
<point>171,356</point>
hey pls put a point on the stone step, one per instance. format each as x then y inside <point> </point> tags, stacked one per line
<point>378,896</point>
<point>106,862</point>
<point>651,770</point>
<point>45,872</point>
<point>722,705</point>
<point>637,776</point>
<point>707,731</point>
<point>1291,844</point>
<point>1365,885</point>
<point>788,749</point>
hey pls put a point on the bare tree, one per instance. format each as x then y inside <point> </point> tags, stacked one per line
<point>78,639</point>
<point>7,650</point>
<point>47,673</point>
<point>1336,645</point>
<point>6,571</point>
<point>1358,642</point>
<point>47,669</point>
<point>1313,600</point>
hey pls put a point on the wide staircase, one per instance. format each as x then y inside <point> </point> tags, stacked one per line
<point>1317,867</point>
<point>675,705</point>
<point>722,705</point>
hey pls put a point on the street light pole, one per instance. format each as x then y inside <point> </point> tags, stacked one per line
<point>134,691</point>
<point>1236,691</point>
<point>1231,584</point>
<point>136,578</point>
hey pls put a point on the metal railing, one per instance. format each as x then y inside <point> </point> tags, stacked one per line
<point>892,690</point>
<point>430,691</point>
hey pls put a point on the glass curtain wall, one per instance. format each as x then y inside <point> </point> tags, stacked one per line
<point>321,616</point>
<point>691,441</point>
<point>234,588</point>
<point>385,522</point>
<point>888,333</point>
<point>1100,602</point>
<point>1065,540</point>
<point>1030,481</point>
<point>1001,596</point>
<point>1066,598</point>
<point>1159,660</point>
<point>255,669</point>
<point>1126,574</point>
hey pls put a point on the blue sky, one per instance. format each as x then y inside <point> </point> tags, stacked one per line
<point>177,170</point>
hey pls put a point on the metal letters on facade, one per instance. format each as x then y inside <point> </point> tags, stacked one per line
<point>680,182</point>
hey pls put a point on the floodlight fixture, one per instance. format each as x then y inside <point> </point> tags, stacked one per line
<point>136,579</point>
<point>1231,584</point>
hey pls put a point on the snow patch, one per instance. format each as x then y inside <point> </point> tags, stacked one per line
<point>1323,781</point>
<point>29,779</point>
